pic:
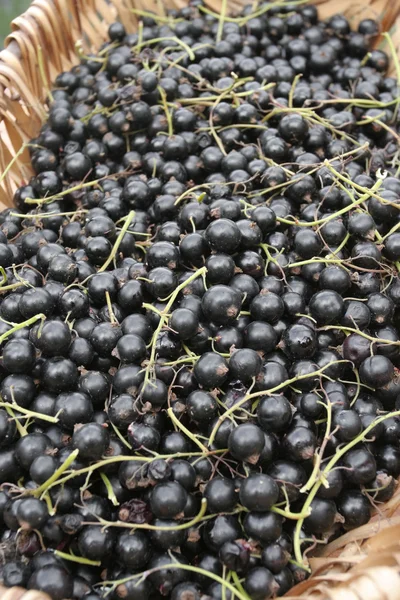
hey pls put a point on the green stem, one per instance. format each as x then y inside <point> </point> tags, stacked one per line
<point>164,318</point>
<point>361,333</point>
<point>268,392</point>
<point>48,215</point>
<point>163,39</point>
<point>184,567</point>
<point>333,461</point>
<point>239,586</point>
<point>75,188</point>
<point>77,559</point>
<point>292,89</point>
<point>315,259</point>
<point>21,429</point>
<point>395,56</point>
<point>48,483</point>
<point>116,459</point>
<point>180,527</point>
<point>29,413</point>
<point>243,20</point>
<point>221,20</point>
<point>14,159</point>
<point>110,492</point>
<point>184,430</point>
<point>166,110</point>
<point>368,193</point>
<point>118,241</point>
<point>291,515</point>
<point>318,458</point>
<point>342,211</point>
<point>113,320</point>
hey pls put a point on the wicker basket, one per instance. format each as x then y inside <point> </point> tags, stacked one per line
<point>361,565</point>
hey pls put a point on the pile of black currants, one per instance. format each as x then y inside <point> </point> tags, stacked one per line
<point>200,309</point>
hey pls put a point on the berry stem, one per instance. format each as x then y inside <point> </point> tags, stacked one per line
<point>17,326</point>
<point>284,384</point>
<point>239,586</point>
<point>21,429</point>
<point>319,455</point>
<point>77,559</point>
<point>113,320</point>
<point>110,492</point>
<point>333,461</point>
<point>241,21</point>
<point>29,413</point>
<point>75,188</point>
<point>49,215</point>
<point>180,527</point>
<point>394,54</point>
<point>184,567</point>
<point>15,158</point>
<point>291,515</point>
<point>221,20</point>
<point>363,190</point>
<point>164,39</point>
<point>292,89</point>
<point>164,318</point>
<point>118,241</point>
<point>368,194</point>
<point>166,110</point>
<point>47,484</point>
<point>361,333</point>
<point>184,429</point>
<point>116,459</point>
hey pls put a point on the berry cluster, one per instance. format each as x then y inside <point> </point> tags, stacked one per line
<point>200,307</point>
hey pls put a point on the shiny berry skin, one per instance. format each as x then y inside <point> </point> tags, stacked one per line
<point>32,513</point>
<point>376,371</point>
<point>221,304</point>
<point>59,374</point>
<point>274,557</point>
<point>260,584</point>
<point>244,365</point>
<point>19,356</point>
<point>300,444</point>
<point>201,406</point>
<point>221,495</point>
<point>133,550</point>
<point>267,307</point>
<point>91,440</point>
<point>54,339</point>
<point>274,413</point>
<point>184,322</point>
<point>168,500</point>
<point>360,465</point>
<point>35,301</point>
<point>95,543</point>
<point>223,235</point>
<point>246,443</point>
<point>322,517</point>
<point>53,580</point>
<point>355,509</point>
<point>258,493</point>
<point>211,370</point>
<point>326,307</point>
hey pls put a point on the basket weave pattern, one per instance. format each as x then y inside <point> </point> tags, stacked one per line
<point>361,565</point>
